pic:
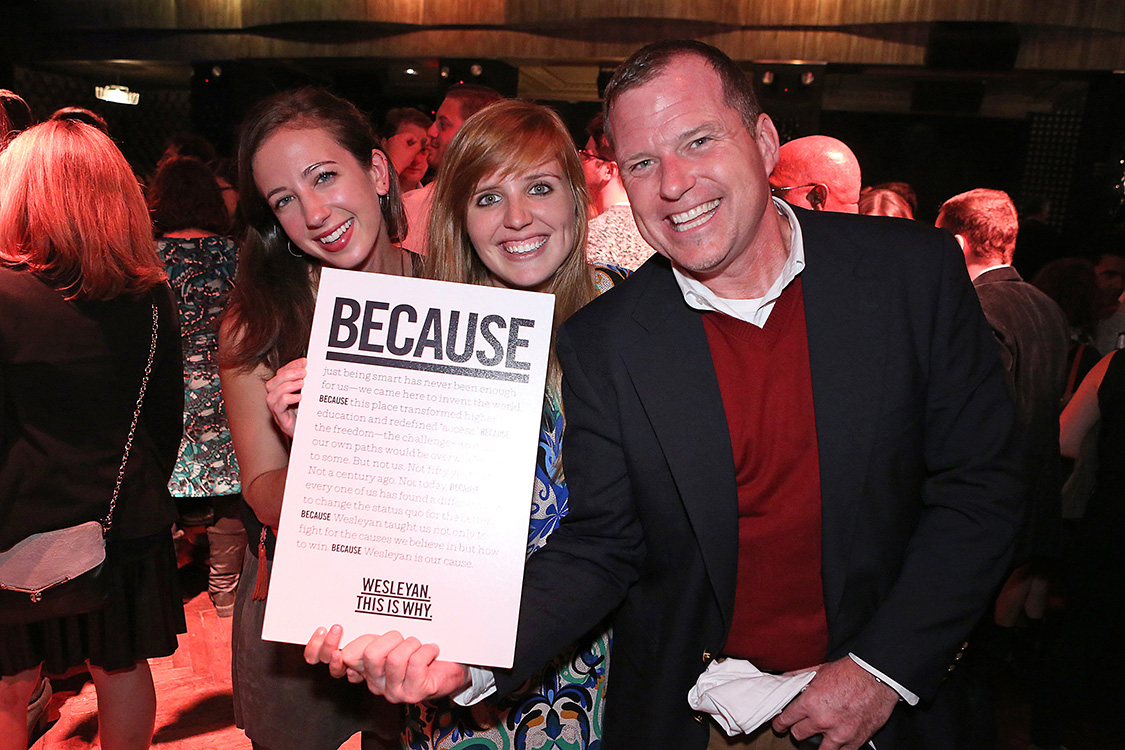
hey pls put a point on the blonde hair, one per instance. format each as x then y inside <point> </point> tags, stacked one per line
<point>72,212</point>
<point>508,138</point>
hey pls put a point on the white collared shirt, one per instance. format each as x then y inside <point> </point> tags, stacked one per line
<point>754,311</point>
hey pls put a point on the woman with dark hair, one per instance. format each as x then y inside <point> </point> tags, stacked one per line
<point>81,291</point>
<point>883,202</point>
<point>406,140</point>
<point>315,191</point>
<point>510,211</point>
<point>1073,285</point>
<point>191,220</point>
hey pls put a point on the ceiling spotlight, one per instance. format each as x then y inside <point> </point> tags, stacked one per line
<point>117,94</point>
<point>476,69</point>
<point>445,71</point>
<point>767,78</point>
<point>216,70</point>
<point>411,72</point>
<point>807,78</point>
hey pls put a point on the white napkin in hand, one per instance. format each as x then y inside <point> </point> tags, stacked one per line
<point>740,697</point>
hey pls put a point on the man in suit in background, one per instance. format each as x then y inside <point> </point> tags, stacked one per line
<point>1031,331</point>
<point>788,441</point>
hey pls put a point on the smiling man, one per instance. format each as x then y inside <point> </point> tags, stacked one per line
<point>788,441</point>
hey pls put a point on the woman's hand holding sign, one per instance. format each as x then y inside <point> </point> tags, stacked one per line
<point>283,393</point>
<point>402,670</point>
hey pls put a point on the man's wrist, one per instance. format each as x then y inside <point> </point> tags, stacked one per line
<point>481,684</point>
<point>903,693</point>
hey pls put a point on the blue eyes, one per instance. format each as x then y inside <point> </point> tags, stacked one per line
<point>643,164</point>
<point>491,199</point>
<point>320,179</point>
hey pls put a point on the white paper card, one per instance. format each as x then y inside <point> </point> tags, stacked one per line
<point>412,467</point>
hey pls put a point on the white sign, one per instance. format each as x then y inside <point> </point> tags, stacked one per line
<point>412,467</point>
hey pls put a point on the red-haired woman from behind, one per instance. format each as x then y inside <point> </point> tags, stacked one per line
<point>79,281</point>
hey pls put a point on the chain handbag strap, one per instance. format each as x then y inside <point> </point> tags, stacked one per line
<point>107,523</point>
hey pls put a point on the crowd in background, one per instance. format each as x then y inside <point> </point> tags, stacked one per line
<point>225,252</point>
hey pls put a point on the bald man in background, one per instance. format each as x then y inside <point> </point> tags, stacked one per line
<point>819,173</point>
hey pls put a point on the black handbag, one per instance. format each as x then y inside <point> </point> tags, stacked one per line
<point>63,572</point>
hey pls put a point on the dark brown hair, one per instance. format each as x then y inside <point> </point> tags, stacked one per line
<point>71,212</point>
<point>472,98</point>
<point>650,61</point>
<point>400,116</point>
<point>185,195</point>
<point>81,114</point>
<point>16,109</point>
<point>272,301</point>
<point>1073,284</point>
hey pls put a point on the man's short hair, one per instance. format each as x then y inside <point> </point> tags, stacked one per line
<point>400,116</point>
<point>988,221</point>
<point>650,61</point>
<point>596,131</point>
<point>472,98</point>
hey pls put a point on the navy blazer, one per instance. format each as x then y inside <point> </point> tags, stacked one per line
<point>919,489</point>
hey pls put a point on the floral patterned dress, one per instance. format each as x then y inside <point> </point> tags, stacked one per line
<point>561,707</point>
<point>200,272</point>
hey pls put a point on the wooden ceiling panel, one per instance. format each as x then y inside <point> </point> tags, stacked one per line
<point>1108,15</point>
<point>536,12</point>
<point>1061,34</point>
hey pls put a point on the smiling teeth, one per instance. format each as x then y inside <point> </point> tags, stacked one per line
<point>693,218</point>
<point>524,247</point>
<point>329,239</point>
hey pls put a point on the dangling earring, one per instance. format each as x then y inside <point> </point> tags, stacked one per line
<point>289,247</point>
<point>383,201</point>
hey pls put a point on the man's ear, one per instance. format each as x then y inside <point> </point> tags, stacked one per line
<point>769,142</point>
<point>961,241</point>
<point>818,197</point>
<point>612,169</point>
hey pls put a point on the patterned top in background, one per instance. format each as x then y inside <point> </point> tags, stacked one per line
<point>614,240</point>
<point>560,707</point>
<point>201,271</point>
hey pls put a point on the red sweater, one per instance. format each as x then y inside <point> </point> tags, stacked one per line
<point>766,385</point>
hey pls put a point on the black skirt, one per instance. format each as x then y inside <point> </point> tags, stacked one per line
<point>141,620</point>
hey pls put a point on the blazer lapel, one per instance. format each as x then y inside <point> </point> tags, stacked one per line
<point>846,319</point>
<point>670,366</point>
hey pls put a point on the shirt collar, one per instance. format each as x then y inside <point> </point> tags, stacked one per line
<point>993,268</point>
<point>754,311</point>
